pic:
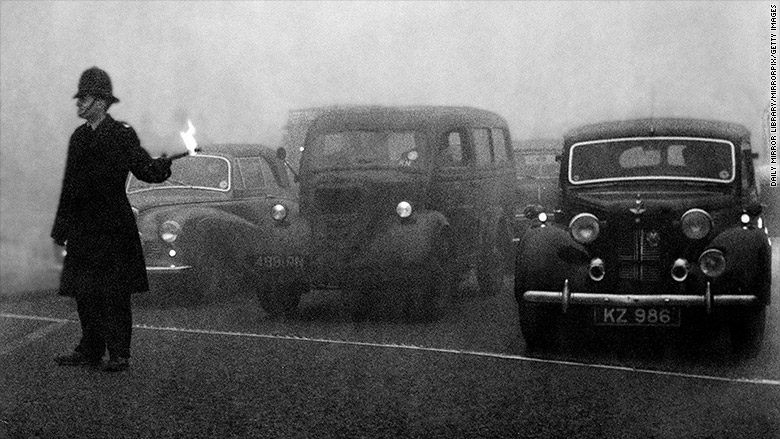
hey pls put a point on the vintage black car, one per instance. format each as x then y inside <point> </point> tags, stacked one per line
<point>404,198</point>
<point>658,225</point>
<point>214,221</point>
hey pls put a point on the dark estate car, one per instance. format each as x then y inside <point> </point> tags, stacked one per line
<point>212,222</point>
<point>403,198</point>
<point>658,225</point>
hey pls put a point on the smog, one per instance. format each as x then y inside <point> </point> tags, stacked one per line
<point>235,69</point>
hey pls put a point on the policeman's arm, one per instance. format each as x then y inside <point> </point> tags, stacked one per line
<point>142,165</point>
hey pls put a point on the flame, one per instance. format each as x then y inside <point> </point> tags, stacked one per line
<point>189,138</point>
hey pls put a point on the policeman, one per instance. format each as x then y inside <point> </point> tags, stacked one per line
<point>104,263</point>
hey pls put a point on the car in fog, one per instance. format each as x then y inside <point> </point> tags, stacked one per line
<point>208,227</point>
<point>658,225</point>
<point>403,199</point>
<point>536,162</point>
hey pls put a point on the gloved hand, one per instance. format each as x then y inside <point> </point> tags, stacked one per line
<point>163,165</point>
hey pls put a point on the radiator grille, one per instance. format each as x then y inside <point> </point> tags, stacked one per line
<point>639,255</point>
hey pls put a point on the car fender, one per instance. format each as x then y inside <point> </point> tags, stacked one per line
<point>547,257</point>
<point>748,256</point>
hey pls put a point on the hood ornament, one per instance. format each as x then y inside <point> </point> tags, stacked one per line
<point>639,207</point>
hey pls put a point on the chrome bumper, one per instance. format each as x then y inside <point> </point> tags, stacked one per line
<point>171,269</point>
<point>566,298</point>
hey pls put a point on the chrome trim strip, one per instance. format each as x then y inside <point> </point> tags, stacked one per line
<point>175,268</point>
<point>644,138</point>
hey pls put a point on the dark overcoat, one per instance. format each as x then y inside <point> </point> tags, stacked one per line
<point>94,215</point>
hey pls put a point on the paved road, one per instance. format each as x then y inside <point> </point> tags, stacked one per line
<point>226,370</point>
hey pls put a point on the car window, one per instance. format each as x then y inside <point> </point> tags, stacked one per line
<point>499,145</point>
<point>253,172</point>
<point>201,171</point>
<point>482,147</point>
<point>452,154</point>
<point>652,158</point>
<point>384,148</point>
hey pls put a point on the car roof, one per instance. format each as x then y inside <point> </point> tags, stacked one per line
<point>660,127</point>
<point>403,117</point>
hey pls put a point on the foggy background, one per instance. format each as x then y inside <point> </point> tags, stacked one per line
<point>236,68</point>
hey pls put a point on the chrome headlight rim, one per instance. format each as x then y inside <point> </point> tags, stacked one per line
<point>584,228</point>
<point>696,223</point>
<point>169,231</point>
<point>278,212</point>
<point>712,263</point>
<point>403,209</point>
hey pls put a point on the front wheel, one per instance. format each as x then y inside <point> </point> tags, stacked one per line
<point>428,297</point>
<point>747,332</point>
<point>282,300</point>
<point>490,270</point>
<point>211,278</point>
<point>538,325</point>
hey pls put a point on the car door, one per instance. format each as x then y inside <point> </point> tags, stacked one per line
<point>454,191</point>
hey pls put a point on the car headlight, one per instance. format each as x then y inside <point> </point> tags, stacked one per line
<point>278,212</point>
<point>712,262</point>
<point>584,228</point>
<point>403,209</point>
<point>169,231</point>
<point>696,223</point>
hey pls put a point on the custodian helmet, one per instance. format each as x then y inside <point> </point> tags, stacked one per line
<point>95,82</point>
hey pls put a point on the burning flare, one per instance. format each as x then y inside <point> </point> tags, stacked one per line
<point>189,138</point>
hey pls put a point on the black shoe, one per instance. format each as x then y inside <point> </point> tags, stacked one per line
<point>116,365</point>
<point>77,359</point>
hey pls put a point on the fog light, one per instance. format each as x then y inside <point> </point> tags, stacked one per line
<point>278,212</point>
<point>680,270</point>
<point>596,270</point>
<point>712,262</point>
<point>404,209</point>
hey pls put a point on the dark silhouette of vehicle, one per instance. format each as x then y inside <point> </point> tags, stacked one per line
<point>212,224</point>
<point>658,225</point>
<point>537,163</point>
<point>409,199</point>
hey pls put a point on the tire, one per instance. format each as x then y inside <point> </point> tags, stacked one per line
<point>747,332</point>
<point>490,269</point>
<point>426,300</point>
<point>538,325</point>
<point>282,300</point>
<point>210,281</point>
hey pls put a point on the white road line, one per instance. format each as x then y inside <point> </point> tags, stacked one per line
<point>31,337</point>
<point>759,381</point>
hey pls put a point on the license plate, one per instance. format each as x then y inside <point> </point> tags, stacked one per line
<point>636,316</point>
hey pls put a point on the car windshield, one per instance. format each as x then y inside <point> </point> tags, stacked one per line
<point>366,148</point>
<point>655,158</point>
<point>196,172</point>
